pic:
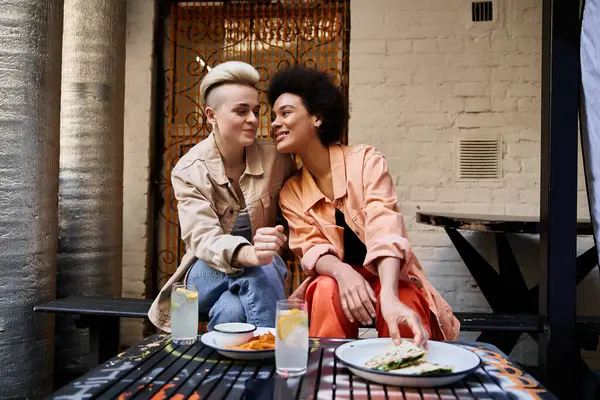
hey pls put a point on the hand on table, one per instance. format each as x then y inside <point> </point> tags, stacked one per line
<point>395,313</point>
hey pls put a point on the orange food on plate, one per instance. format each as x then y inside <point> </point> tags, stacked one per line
<point>262,342</point>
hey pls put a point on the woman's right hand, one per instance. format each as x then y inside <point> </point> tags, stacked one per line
<point>357,297</point>
<point>267,242</point>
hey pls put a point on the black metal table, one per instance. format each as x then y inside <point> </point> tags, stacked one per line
<point>506,291</point>
<point>155,368</point>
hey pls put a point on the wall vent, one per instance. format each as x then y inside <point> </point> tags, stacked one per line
<point>479,158</point>
<point>482,11</point>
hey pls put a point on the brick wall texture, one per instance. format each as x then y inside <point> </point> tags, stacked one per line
<point>138,128</point>
<point>423,74</point>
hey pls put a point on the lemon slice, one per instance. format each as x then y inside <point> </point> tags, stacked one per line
<point>290,321</point>
<point>189,294</point>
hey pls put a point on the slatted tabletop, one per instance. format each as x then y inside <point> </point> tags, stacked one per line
<point>155,368</point>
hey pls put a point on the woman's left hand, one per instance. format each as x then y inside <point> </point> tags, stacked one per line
<point>395,312</point>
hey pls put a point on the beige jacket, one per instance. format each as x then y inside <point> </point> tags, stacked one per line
<point>208,207</point>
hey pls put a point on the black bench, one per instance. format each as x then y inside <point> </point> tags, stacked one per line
<point>101,315</point>
<point>98,306</point>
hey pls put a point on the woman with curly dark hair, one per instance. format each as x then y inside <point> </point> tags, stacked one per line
<point>345,223</point>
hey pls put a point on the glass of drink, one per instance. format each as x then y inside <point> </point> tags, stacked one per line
<point>291,342</point>
<point>184,313</point>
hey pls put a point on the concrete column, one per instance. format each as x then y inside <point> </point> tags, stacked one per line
<point>91,166</point>
<point>30,46</point>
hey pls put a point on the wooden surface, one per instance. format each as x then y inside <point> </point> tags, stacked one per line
<point>155,368</point>
<point>492,223</point>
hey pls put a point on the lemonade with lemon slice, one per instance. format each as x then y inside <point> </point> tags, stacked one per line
<point>184,313</point>
<point>291,340</point>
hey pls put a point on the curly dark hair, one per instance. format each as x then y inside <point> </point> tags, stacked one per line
<point>319,95</point>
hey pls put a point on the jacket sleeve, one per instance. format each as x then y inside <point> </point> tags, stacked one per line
<point>200,226</point>
<point>305,239</point>
<point>385,232</point>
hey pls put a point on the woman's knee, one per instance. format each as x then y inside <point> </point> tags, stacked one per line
<point>276,270</point>
<point>201,271</point>
<point>265,278</point>
<point>324,285</point>
<point>228,308</point>
<point>280,266</point>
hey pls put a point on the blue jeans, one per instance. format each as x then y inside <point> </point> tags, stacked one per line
<point>250,297</point>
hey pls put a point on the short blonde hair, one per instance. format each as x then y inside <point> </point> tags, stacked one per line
<point>228,72</point>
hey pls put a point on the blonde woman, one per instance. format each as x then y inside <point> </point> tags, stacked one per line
<point>227,189</point>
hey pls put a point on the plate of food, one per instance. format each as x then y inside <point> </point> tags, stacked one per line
<point>257,346</point>
<point>379,360</point>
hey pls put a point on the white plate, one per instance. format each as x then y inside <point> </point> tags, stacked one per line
<point>356,353</point>
<point>208,339</point>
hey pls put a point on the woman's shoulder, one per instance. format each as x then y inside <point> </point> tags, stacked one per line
<point>292,188</point>
<point>360,151</point>
<point>201,151</point>
<point>266,145</point>
<point>268,151</point>
<point>274,160</point>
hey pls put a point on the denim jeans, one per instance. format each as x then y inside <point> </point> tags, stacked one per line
<point>250,297</point>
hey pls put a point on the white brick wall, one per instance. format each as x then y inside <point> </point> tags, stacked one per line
<point>139,133</point>
<point>422,74</point>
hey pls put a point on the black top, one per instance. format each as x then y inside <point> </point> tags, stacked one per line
<point>355,250</point>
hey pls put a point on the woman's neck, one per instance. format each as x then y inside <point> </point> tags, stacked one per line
<point>233,157</point>
<point>316,160</point>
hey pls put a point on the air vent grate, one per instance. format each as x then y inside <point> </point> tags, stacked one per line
<point>479,158</point>
<point>482,11</point>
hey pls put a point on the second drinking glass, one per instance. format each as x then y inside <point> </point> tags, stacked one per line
<point>291,343</point>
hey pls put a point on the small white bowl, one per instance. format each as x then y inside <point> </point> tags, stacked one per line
<point>233,333</point>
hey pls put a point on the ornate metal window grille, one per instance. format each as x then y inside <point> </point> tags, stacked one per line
<point>270,35</point>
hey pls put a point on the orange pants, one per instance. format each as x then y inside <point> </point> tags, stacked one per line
<point>327,318</point>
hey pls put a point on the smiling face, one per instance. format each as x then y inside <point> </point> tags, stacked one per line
<point>293,128</point>
<point>236,110</point>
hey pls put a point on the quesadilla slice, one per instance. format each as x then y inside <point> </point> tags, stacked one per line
<point>406,353</point>
<point>423,367</point>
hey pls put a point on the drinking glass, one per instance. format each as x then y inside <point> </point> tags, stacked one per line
<point>184,313</point>
<point>291,342</point>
